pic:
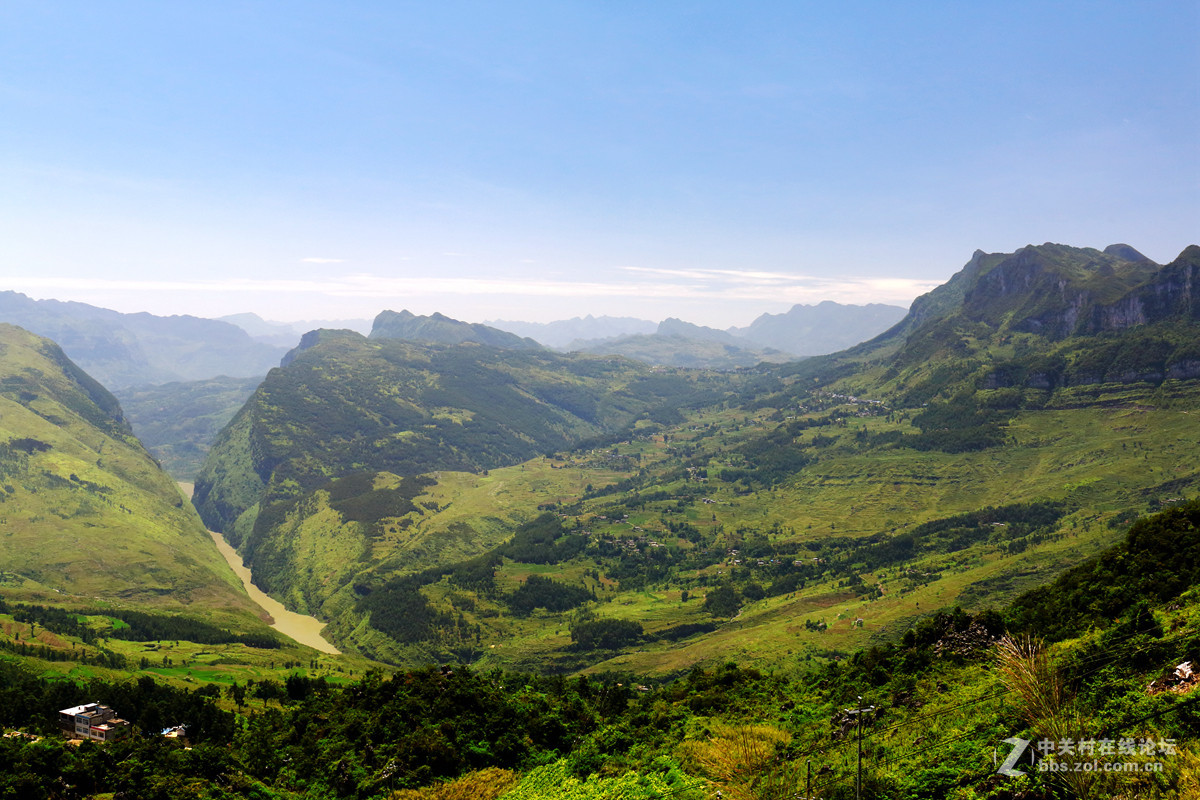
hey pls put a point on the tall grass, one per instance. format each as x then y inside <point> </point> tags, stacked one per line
<point>1026,670</point>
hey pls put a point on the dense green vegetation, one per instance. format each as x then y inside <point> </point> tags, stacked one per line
<point>745,732</point>
<point>134,626</point>
<point>1158,561</point>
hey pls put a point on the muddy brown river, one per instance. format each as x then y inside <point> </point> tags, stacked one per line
<point>304,629</point>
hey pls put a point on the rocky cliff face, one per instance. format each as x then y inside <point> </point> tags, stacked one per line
<point>1057,291</point>
<point>1174,291</point>
<point>1111,316</point>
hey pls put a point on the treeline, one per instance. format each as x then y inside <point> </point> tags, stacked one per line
<point>143,627</point>
<point>960,425</point>
<point>539,592</point>
<point>1028,522</point>
<point>772,457</point>
<point>605,634</point>
<point>136,626</point>
<point>543,541</point>
<point>1158,560</point>
<point>364,740</point>
<point>357,500</point>
<point>399,609</point>
<point>30,702</point>
<point>100,657</point>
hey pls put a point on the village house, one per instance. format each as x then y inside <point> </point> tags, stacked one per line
<point>92,721</point>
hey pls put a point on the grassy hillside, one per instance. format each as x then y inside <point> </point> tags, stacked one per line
<point>87,513</point>
<point>350,404</point>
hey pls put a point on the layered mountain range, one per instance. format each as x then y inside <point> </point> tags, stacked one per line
<point>802,331</point>
<point>413,461</point>
<point>122,350</point>
<point>781,542</point>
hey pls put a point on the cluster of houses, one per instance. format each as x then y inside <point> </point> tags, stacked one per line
<point>92,721</point>
<point>100,723</point>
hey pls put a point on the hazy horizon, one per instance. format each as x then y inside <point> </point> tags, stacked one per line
<point>368,318</point>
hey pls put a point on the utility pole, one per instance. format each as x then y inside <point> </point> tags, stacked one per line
<point>858,712</point>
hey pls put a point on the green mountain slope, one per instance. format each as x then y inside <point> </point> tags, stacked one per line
<point>87,514</point>
<point>347,404</point>
<point>795,509</point>
<point>1053,292</point>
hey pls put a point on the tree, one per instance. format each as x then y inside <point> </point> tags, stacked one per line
<point>605,634</point>
<point>724,601</point>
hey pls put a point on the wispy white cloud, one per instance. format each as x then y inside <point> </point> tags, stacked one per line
<point>731,275</point>
<point>323,260</point>
<point>792,287</point>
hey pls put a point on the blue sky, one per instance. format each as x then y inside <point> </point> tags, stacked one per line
<point>541,160</point>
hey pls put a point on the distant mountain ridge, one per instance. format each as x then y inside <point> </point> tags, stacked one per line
<point>561,333</point>
<point>440,329</point>
<point>122,350</point>
<point>802,331</point>
<point>827,327</point>
<point>286,334</point>
<point>677,343</point>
